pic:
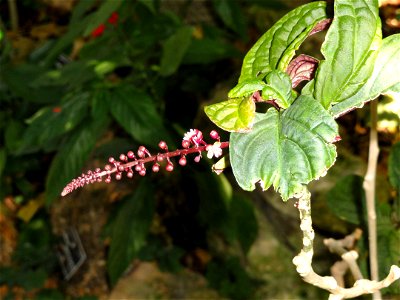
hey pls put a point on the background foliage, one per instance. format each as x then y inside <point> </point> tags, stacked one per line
<point>95,79</point>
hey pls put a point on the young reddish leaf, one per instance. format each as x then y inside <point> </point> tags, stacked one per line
<point>302,68</point>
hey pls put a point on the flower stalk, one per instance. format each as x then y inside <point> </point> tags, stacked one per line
<point>130,163</point>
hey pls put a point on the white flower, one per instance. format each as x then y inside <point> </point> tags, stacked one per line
<point>214,150</point>
<point>194,136</point>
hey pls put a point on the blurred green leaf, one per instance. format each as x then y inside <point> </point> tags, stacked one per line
<point>230,278</point>
<point>208,50</point>
<point>215,194</point>
<point>244,220</point>
<point>388,243</point>
<point>28,73</point>
<point>135,111</point>
<point>394,166</point>
<point>174,50</point>
<point>232,15</point>
<point>71,158</point>
<point>346,199</point>
<point>100,104</point>
<point>285,149</point>
<point>27,279</point>
<point>80,9</point>
<point>3,159</point>
<point>51,122</point>
<point>12,136</point>
<point>130,229</point>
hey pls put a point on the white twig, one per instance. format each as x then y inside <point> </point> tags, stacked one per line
<point>303,262</point>
<point>369,187</point>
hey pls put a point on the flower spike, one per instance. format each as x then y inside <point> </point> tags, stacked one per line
<point>128,163</point>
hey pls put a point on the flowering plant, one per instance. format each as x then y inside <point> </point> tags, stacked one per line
<point>293,142</point>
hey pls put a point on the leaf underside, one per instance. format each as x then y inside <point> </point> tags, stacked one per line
<point>285,150</point>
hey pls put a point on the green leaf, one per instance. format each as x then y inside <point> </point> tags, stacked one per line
<point>244,220</point>
<point>130,229</point>
<point>286,150</point>
<point>232,15</point>
<point>208,50</point>
<point>246,88</point>
<point>346,199</point>
<point>235,115</point>
<point>47,124</point>
<point>278,45</point>
<point>174,50</point>
<point>350,49</point>
<point>279,88</point>
<point>100,104</point>
<point>384,78</point>
<point>394,166</point>
<point>69,161</point>
<point>136,113</point>
<point>102,14</point>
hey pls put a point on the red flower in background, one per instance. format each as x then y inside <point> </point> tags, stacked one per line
<point>113,19</point>
<point>98,31</point>
<point>57,109</point>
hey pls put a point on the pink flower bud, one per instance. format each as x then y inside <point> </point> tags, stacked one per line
<point>131,154</point>
<point>182,161</point>
<point>197,158</point>
<point>129,174</point>
<point>185,144</point>
<point>118,176</point>
<point>156,168</point>
<point>142,172</point>
<point>169,167</point>
<point>163,145</point>
<point>123,157</point>
<point>214,135</point>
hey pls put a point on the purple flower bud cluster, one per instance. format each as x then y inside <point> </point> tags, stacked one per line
<point>130,163</point>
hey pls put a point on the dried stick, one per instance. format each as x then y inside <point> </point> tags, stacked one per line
<point>343,247</point>
<point>12,7</point>
<point>303,261</point>
<point>369,187</point>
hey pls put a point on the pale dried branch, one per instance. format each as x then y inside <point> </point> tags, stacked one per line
<point>303,261</point>
<point>369,187</point>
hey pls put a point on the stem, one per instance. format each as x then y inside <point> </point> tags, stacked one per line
<point>369,187</point>
<point>12,7</point>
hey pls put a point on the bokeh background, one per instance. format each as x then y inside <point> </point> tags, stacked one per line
<point>84,80</point>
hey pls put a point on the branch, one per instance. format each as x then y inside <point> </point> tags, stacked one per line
<point>342,247</point>
<point>303,261</point>
<point>369,187</point>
